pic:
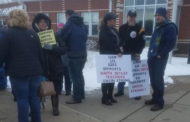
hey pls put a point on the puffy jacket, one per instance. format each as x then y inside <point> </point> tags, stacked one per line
<point>163,39</point>
<point>75,34</point>
<point>53,63</point>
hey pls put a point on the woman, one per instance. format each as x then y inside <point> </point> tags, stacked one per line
<point>109,44</point>
<point>20,50</point>
<point>52,54</point>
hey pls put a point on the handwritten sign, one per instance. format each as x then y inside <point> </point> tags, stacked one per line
<point>111,68</point>
<point>47,37</point>
<point>139,86</point>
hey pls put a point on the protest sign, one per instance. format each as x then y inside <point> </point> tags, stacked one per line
<point>139,86</point>
<point>111,68</point>
<point>47,37</point>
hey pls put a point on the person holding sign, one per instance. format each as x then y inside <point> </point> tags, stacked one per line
<point>52,55</point>
<point>109,44</point>
<point>132,39</point>
<point>162,42</point>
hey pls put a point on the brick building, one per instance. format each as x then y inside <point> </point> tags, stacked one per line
<point>93,11</point>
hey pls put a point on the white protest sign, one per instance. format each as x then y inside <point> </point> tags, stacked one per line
<point>140,85</point>
<point>111,68</point>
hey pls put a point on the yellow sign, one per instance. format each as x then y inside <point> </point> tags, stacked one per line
<point>47,37</point>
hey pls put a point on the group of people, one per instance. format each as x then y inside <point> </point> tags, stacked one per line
<point>130,40</point>
<point>28,63</point>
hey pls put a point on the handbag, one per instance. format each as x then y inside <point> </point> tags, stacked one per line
<point>47,89</point>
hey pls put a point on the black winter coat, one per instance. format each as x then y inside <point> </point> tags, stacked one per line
<point>20,50</point>
<point>53,64</point>
<point>108,42</point>
<point>132,39</point>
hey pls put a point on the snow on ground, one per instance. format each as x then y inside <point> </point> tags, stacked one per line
<point>177,67</point>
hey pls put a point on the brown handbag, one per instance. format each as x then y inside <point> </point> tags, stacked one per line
<point>47,89</point>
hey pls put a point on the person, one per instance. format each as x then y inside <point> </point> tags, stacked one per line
<point>132,40</point>
<point>75,34</point>
<point>3,77</point>
<point>20,51</point>
<point>162,42</point>
<point>109,45</point>
<point>52,57</point>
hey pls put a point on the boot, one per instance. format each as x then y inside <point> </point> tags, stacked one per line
<point>55,104</point>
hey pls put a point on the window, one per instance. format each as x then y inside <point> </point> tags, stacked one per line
<point>149,20</point>
<point>140,16</point>
<point>161,1</point>
<point>61,19</point>
<point>139,2</point>
<point>91,20</point>
<point>129,2</point>
<point>145,12</point>
<point>150,1</point>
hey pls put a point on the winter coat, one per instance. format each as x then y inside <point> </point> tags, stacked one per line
<point>108,42</point>
<point>132,39</point>
<point>20,50</point>
<point>163,39</point>
<point>75,34</point>
<point>53,62</point>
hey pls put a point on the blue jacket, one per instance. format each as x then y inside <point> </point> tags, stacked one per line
<point>163,39</point>
<point>75,34</point>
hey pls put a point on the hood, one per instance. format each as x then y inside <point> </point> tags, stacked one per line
<point>76,19</point>
<point>39,17</point>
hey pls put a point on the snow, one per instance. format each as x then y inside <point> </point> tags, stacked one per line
<point>177,67</point>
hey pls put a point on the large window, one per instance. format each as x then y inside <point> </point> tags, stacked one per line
<point>145,12</point>
<point>61,19</point>
<point>91,20</point>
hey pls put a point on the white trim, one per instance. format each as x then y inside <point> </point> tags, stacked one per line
<point>86,10</point>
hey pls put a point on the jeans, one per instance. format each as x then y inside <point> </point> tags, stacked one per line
<point>156,71</point>
<point>68,81</point>
<point>120,87</point>
<point>26,91</point>
<point>3,79</point>
<point>76,66</point>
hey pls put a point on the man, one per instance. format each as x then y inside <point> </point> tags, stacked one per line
<point>132,40</point>
<point>74,34</point>
<point>162,42</point>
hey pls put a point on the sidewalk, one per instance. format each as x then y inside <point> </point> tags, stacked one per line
<point>177,107</point>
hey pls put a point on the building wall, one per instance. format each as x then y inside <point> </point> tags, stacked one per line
<point>183,43</point>
<point>56,6</point>
<point>102,6</point>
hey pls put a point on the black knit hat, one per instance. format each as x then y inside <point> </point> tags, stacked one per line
<point>110,16</point>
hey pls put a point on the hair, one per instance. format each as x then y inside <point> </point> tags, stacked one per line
<point>18,18</point>
<point>69,12</point>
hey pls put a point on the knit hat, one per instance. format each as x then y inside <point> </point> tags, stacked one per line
<point>161,12</point>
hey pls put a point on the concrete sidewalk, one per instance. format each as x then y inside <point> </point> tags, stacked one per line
<point>177,107</point>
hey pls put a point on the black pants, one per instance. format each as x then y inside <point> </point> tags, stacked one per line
<point>156,70</point>
<point>58,82</point>
<point>107,90</point>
